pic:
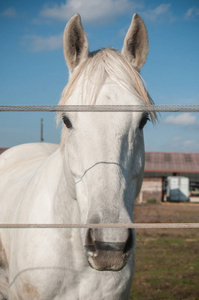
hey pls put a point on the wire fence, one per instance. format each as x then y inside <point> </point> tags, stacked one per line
<point>100,108</point>
<point>100,225</point>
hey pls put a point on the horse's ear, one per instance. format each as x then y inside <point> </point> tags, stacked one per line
<point>136,43</point>
<point>75,43</point>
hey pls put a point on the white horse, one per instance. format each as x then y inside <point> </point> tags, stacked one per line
<point>92,177</point>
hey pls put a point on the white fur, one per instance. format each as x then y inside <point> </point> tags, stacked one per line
<point>96,173</point>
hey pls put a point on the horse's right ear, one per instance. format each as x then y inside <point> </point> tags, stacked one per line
<point>75,43</point>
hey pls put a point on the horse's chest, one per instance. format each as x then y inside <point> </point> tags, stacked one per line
<point>89,285</point>
<point>58,270</point>
<point>63,282</point>
<point>104,285</point>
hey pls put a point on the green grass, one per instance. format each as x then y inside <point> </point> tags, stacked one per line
<point>166,267</point>
<point>151,201</point>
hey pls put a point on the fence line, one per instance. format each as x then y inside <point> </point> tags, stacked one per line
<point>110,225</point>
<point>99,108</point>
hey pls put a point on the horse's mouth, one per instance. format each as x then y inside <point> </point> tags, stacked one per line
<point>105,260</point>
<point>106,268</point>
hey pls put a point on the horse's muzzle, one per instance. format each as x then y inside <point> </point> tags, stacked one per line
<point>108,256</point>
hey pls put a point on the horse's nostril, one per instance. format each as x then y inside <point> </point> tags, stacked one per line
<point>89,243</point>
<point>129,243</point>
<point>93,246</point>
<point>89,237</point>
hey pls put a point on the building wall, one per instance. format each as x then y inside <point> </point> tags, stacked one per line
<point>151,190</point>
<point>192,176</point>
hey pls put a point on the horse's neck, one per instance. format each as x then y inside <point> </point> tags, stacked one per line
<point>65,204</point>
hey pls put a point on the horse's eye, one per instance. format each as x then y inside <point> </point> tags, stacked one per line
<point>143,121</point>
<point>67,122</point>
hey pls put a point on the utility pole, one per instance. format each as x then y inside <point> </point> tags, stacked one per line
<point>42,127</point>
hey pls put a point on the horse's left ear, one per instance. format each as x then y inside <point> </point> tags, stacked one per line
<point>136,43</point>
<point>75,43</point>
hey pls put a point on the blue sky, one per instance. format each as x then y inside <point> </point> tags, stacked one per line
<point>33,70</point>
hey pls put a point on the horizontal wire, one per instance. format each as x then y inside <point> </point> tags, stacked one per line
<point>169,218</point>
<point>109,225</point>
<point>99,108</point>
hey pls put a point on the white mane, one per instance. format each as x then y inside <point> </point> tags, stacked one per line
<point>107,62</point>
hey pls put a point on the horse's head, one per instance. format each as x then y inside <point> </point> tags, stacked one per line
<point>105,151</point>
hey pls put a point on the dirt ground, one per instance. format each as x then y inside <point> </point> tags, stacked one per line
<point>168,213</point>
<point>166,260</point>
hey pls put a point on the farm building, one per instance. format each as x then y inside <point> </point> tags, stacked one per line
<point>160,165</point>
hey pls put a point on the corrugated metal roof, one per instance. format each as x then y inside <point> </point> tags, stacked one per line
<point>172,162</point>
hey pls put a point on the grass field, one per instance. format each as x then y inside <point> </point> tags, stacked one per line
<point>166,260</point>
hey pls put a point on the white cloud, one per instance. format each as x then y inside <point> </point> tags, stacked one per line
<point>163,10</point>
<point>39,43</point>
<point>9,12</point>
<point>190,143</point>
<point>90,10</point>
<point>177,138</point>
<point>185,145</point>
<point>182,119</point>
<point>192,12</point>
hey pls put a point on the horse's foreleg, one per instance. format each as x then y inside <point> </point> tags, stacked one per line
<point>3,274</point>
<point>3,284</point>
